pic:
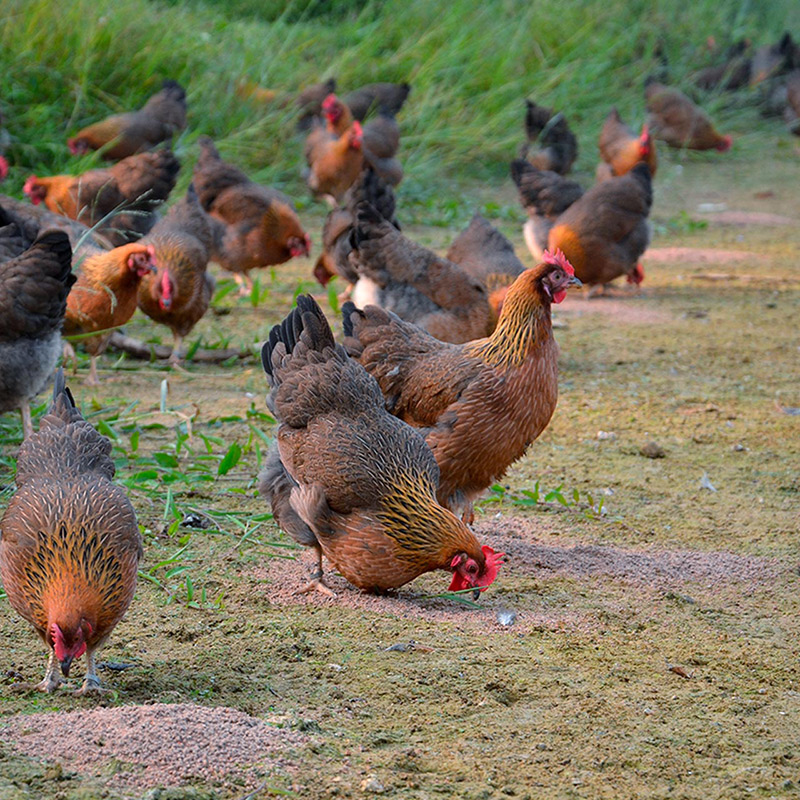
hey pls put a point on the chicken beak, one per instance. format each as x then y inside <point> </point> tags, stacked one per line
<point>66,663</point>
<point>476,593</point>
<point>575,281</point>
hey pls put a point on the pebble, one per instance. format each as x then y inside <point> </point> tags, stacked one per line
<point>372,785</point>
<point>652,450</point>
<point>506,617</point>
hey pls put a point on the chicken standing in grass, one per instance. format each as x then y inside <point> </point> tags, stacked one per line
<point>350,480</point>
<point>480,404</point>
<point>621,149</point>
<point>34,284</point>
<point>122,135</point>
<point>555,146</point>
<point>70,544</point>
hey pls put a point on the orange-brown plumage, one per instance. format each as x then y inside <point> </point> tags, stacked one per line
<point>480,404</point>
<point>179,293</point>
<point>70,542</point>
<point>122,135</point>
<point>349,479</point>
<point>334,164</point>
<point>621,149</point>
<point>261,227</point>
<point>105,294</point>
<point>120,199</point>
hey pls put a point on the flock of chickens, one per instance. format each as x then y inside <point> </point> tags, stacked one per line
<point>435,349</point>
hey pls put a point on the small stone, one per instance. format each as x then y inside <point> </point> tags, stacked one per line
<point>372,785</point>
<point>652,450</point>
<point>705,483</point>
<point>506,617</point>
<point>606,436</point>
<point>739,448</point>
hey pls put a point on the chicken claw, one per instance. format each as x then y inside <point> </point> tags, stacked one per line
<point>317,584</point>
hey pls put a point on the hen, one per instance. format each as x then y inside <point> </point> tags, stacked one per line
<point>309,103</point>
<point>676,120</point>
<point>387,97</point>
<point>604,232</point>
<point>621,149</point>
<point>105,295</point>
<point>179,293</point>
<point>545,195</point>
<point>478,405</point>
<point>733,74</point>
<point>334,164</point>
<point>485,254</point>
<point>349,479</point>
<point>133,188</point>
<point>123,135</point>
<point>775,59</point>
<point>414,282</point>
<point>556,145</point>
<point>33,298</point>
<point>261,227</point>
<point>5,140</point>
<point>336,246</point>
<point>70,543</point>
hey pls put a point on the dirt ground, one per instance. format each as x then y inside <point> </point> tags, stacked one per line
<point>648,648</point>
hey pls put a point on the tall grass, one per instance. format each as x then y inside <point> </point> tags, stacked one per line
<point>470,64</point>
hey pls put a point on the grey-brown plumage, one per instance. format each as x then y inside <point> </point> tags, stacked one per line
<point>551,143</point>
<point>414,282</point>
<point>388,97</point>
<point>33,298</point>
<point>70,542</point>
<point>349,479</point>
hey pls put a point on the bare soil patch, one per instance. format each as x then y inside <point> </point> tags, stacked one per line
<point>699,255</point>
<point>624,310</point>
<point>160,744</point>
<point>747,218</point>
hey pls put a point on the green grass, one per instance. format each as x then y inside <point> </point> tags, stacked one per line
<point>470,64</point>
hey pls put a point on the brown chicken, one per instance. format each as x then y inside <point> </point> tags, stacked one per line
<point>415,283</point>
<point>621,149</point>
<point>123,135</point>
<point>478,405</point>
<point>70,544</point>
<point>336,232</point>
<point>334,164</point>
<point>105,295</point>
<point>733,74</point>
<point>179,293</point>
<point>261,227</point>
<point>34,283</point>
<point>545,195</point>
<point>349,479</point>
<point>676,120</point>
<point>556,145</point>
<point>120,200</point>
<point>485,254</point>
<point>604,232</point>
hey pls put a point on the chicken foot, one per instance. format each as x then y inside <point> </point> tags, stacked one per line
<point>317,584</point>
<point>91,683</point>
<point>245,283</point>
<point>49,683</point>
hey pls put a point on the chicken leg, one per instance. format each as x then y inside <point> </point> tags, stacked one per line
<point>245,283</point>
<point>91,683</point>
<point>317,584</point>
<point>27,423</point>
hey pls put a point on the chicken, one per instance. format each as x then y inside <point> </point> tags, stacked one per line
<point>123,135</point>
<point>70,542</point>
<point>792,112</point>
<point>621,149</point>
<point>414,282</point>
<point>545,195</point>
<point>309,103</point>
<point>179,293</point>
<point>557,145</point>
<point>604,232</point>
<point>676,120</point>
<point>388,97</point>
<point>334,164</point>
<point>350,480</point>
<point>261,227</point>
<point>33,298</point>
<point>485,254</point>
<point>478,405</point>
<point>120,200</point>
<point>733,74</point>
<point>336,246</point>
<point>775,59</point>
<point>105,295</point>
<point>5,140</point>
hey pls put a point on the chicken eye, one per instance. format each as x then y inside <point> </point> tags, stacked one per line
<point>472,568</point>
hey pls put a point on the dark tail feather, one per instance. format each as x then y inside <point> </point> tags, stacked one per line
<point>63,401</point>
<point>348,309</point>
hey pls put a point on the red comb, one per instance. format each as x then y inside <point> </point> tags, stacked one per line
<point>166,285</point>
<point>329,101</point>
<point>558,259</point>
<point>3,168</point>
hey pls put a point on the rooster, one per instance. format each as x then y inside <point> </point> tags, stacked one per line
<point>605,231</point>
<point>123,135</point>
<point>621,149</point>
<point>105,295</point>
<point>120,200</point>
<point>349,479</point>
<point>480,404</point>
<point>70,544</point>
<point>676,120</point>
<point>34,284</point>
<point>179,293</point>
<point>545,195</point>
<point>261,227</point>
<point>414,282</point>
<point>556,145</point>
